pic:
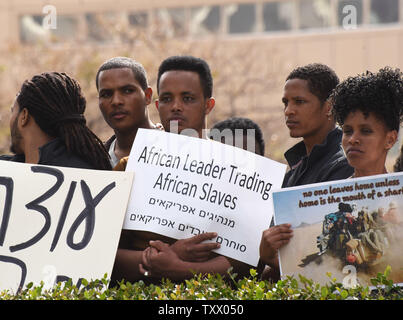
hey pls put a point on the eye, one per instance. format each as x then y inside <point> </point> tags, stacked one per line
<point>188,99</point>
<point>347,131</point>
<point>105,94</point>
<point>128,90</point>
<point>366,131</point>
<point>165,99</point>
<point>299,101</point>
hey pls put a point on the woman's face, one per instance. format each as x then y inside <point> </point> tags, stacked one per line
<point>366,142</point>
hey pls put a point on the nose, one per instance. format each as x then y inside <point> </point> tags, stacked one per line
<point>116,99</point>
<point>289,110</point>
<point>177,105</point>
<point>354,139</point>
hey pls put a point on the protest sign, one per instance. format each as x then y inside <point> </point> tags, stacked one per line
<point>59,223</point>
<point>184,186</point>
<point>350,228</point>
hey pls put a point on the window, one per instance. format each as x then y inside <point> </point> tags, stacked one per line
<point>137,19</point>
<point>205,20</point>
<point>171,22</point>
<point>32,29</point>
<point>314,13</point>
<point>384,11</point>
<point>242,18</point>
<point>346,11</point>
<point>278,16</point>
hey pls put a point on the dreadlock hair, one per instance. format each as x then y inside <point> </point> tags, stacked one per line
<point>321,79</point>
<point>378,93</point>
<point>57,104</point>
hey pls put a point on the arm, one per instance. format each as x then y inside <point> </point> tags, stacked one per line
<point>127,265</point>
<point>272,240</point>
<point>161,261</point>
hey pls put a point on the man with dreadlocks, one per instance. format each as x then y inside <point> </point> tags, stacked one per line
<point>48,126</point>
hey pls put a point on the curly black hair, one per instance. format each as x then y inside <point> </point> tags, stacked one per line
<point>239,123</point>
<point>378,93</point>
<point>320,77</point>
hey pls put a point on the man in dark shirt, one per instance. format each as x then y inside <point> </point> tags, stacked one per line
<point>319,156</point>
<point>124,96</point>
<point>48,126</point>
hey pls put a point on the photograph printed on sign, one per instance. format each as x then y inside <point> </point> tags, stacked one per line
<point>184,186</point>
<point>342,227</point>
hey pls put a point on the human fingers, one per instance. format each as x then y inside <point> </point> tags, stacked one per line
<point>143,271</point>
<point>203,237</point>
<point>159,245</point>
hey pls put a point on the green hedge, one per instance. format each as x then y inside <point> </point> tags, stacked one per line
<point>214,287</point>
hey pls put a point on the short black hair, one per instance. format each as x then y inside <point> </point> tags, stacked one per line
<point>320,77</point>
<point>234,123</point>
<point>138,70</point>
<point>189,63</point>
<point>378,93</point>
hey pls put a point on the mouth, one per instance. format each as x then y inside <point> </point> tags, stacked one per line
<point>177,118</point>
<point>118,115</point>
<point>354,151</point>
<point>291,124</point>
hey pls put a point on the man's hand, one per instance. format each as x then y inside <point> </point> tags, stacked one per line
<point>193,250</point>
<point>272,240</point>
<point>159,260</point>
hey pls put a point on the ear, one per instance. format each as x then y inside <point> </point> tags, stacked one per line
<point>391,138</point>
<point>24,117</point>
<point>209,105</point>
<point>327,107</point>
<point>149,95</point>
<point>156,104</point>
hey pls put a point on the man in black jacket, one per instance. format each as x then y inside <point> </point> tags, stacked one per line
<point>48,126</point>
<point>319,157</point>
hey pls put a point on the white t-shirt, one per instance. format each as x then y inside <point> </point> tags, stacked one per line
<point>114,160</point>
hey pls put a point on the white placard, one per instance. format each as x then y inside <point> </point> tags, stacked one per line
<point>184,186</point>
<point>58,223</point>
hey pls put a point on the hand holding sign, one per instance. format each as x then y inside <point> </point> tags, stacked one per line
<point>192,249</point>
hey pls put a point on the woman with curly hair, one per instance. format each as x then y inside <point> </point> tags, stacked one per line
<point>369,108</point>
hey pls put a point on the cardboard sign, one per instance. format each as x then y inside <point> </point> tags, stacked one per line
<point>351,228</point>
<point>184,186</point>
<point>58,223</point>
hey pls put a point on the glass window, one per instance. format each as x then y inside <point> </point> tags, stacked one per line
<point>33,30</point>
<point>349,11</point>
<point>170,22</point>
<point>99,27</point>
<point>138,19</point>
<point>314,13</point>
<point>242,18</point>
<point>384,11</point>
<point>205,20</point>
<point>278,16</point>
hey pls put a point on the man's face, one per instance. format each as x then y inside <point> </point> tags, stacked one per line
<point>181,99</point>
<point>122,100</point>
<point>16,136</point>
<point>305,115</point>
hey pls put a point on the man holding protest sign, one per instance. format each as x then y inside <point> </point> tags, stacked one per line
<point>124,96</point>
<point>319,157</point>
<point>48,127</point>
<point>185,99</point>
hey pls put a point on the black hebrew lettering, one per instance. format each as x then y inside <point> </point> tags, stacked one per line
<point>19,263</point>
<point>35,205</point>
<point>63,215</point>
<point>9,184</point>
<point>87,215</point>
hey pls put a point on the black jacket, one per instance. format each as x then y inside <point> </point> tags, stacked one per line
<point>54,153</point>
<point>326,162</point>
